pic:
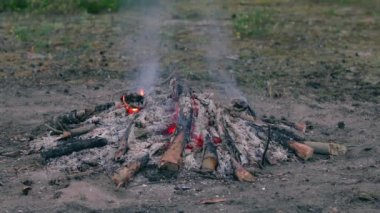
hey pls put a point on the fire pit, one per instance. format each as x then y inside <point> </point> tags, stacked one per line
<point>172,130</point>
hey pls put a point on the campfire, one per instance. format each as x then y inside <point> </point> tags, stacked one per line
<point>173,130</point>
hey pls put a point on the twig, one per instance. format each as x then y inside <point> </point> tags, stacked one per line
<point>266,148</point>
<point>53,129</point>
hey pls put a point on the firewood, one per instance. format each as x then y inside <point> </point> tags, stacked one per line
<point>241,173</point>
<point>327,148</point>
<point>303,151</point>
<point>73,145</point>
<point>210,156</point>
<point>278,134</point>
<point>213,200</point>
<point>123,142</point>
<point>128,171</point>
<point>172,158</point>
<point>77,131</point>
<point>230,143</point>
<point>77,116</point>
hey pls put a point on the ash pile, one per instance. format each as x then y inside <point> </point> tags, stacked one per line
<point>173,131</point>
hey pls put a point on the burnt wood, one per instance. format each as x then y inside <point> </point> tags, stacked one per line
<point>73,145</point>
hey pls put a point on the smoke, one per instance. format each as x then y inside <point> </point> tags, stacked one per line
<point>146,44</point>
<point>219,49</point>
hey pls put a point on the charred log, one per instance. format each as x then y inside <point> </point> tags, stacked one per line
<point>63,122</point>
<point>230,144</point>
<point>73,145</point>
<point>77,131</point>
<point>277,134</point>
<point>123,142</point>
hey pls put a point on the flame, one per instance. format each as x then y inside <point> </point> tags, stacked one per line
<point>141,92</point>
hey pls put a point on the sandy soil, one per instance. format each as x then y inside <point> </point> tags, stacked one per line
<point>87,63</point>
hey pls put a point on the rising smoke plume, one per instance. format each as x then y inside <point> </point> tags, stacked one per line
<point>219,49</point>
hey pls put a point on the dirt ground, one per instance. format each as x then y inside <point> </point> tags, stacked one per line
<point>321,59</point>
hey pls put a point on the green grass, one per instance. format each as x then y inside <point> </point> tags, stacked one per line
<point>65,6</point>
<point>256,23</point>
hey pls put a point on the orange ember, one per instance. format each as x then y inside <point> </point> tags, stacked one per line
<point>132,110</point>
<point>128,108</point>
<point>141,92</point>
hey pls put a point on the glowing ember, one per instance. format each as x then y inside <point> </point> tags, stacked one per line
<point>198,140</point>
<point>128,108</point>
<point>217,140</point>
<point>189,147</point>
<point>171,129</point>
<point>131,110</point>
<point>141,92</point>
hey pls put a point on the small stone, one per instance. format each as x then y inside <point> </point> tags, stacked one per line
<point>341,125</point>
<point>27,182</point>
<point>25,190</point>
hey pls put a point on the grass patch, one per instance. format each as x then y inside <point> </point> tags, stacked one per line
<point>256,23</point>
<point>67,6</point>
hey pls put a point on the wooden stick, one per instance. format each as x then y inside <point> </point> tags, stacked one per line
<point>327,148</point>
<point>123,142</point>
<point>241,173</point>
<point>128,171</point>
<point>266,148</point>
<point>73,145</point>
<point>77,131</point>
<point>210,157</point>
<point>303,151</point>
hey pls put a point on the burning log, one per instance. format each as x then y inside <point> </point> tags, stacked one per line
<point>327,148</point>
<point>73,145</point>
<point>77,131</point>
<point>210,156</point>
<point>123,142</point>
<point>172,158</point>
<point>128,171</point>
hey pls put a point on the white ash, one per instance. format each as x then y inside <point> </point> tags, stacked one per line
<point>155,117</point>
